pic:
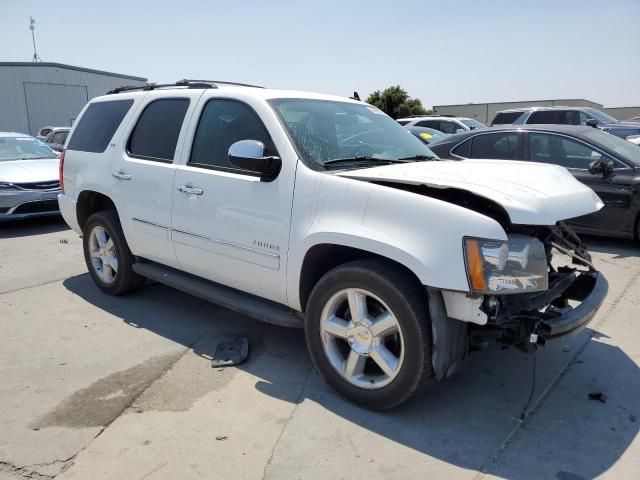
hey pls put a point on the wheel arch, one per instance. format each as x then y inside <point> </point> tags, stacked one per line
<point>90,202</point>
<point>323,257</point>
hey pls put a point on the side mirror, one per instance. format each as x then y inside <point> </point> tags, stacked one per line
<point>604,167</point>
<point>592,123</point>
<point>249,155</point>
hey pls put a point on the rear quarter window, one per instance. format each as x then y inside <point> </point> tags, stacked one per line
<point>97,125</point>
<point>463,150</point>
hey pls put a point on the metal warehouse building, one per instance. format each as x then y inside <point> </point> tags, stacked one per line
<point>38,94</point>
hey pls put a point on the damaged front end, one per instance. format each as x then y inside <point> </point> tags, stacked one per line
<point>571,297</point>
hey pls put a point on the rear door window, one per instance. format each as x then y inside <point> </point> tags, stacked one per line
<point>506,118</point>
<point>156,133</point>
<point>501,146</point>
<point>97,125</point>
<point>555,117</point>
<point>429,124</point>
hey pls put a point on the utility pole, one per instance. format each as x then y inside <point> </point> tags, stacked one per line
<point>32,27</point>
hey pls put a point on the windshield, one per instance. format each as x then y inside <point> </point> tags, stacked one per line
<point>472,124</point>
<point>23,148</point>
<point>601,116</point>
<point>351,135</point>
<point>625,149</point>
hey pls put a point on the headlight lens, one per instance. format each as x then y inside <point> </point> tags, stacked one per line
<point>6,186</point>
<point>515,266</point>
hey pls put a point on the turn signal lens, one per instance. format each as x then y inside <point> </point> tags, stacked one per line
<point>475,266</point>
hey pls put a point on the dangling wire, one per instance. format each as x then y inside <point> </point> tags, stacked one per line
<point>533,384</point>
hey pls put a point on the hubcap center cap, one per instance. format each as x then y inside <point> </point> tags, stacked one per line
<point>360,339</point>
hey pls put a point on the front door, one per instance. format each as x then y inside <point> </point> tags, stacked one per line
<point>227,225</point>
<point>143,173</point>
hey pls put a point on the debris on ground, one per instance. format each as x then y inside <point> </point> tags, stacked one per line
<point>231,353</point>
<point>599,396</point>
<point>221,437</point>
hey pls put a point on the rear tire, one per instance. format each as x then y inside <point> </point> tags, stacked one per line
<point>107,254</point>
<point>380,355</point>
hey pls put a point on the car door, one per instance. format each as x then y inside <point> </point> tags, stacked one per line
<point>227,225</point>
<point>615,190</point>
<point>143,172</point>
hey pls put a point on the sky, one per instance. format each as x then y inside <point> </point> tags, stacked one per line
<point>442,52</point>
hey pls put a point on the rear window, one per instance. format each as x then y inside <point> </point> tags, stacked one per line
<point>506,118</point>
<point>156,134</point>
<point>97,125</point>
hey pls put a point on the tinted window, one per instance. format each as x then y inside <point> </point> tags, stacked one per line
<point>429,123</point>
<point>502,146</point>
<point>222,123</point>
<point>449,127</point>
<point>59,137</point>
<point>463,150</point>
<point>558,117</point>
<point>98,124</point>
<point>545,148</point>
<point>156,134</point>
<point>506,118</point>
<point>403,122</point>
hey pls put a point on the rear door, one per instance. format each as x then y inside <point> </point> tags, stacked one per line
<point>615,190</point>
<point>143,170</point>
<point>498,145</point>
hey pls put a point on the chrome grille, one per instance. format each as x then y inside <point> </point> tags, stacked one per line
<point>48,185</point>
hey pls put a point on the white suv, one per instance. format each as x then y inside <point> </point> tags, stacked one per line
<point>445,123</point>
<point>321,212</point>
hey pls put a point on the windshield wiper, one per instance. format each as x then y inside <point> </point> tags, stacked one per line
<point>420,157</point>
<point>361,158</point>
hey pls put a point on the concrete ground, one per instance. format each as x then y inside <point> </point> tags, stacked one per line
<point>94,387</point>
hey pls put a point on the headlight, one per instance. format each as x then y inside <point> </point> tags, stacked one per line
<point>515,266</point>
<point>6,186</point>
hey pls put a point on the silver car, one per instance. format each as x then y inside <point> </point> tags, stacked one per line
<point>29,184</point>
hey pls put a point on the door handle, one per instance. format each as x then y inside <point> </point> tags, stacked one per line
<point>121,175</point>
<point>189,190</point>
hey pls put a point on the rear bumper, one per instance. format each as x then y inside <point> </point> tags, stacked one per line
<point>590,289</point>
<point>68,210</point>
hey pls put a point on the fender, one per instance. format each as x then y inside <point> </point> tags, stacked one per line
<point>423,234</point>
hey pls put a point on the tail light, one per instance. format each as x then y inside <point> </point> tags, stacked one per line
<point>61,170</point>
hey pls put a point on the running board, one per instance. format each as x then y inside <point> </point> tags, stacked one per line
<point>245,303</point>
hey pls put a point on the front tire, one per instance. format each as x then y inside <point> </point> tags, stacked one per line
<point>368,333</point>
<point>107,254</point>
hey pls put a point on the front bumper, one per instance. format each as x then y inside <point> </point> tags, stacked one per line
<point>16,205</point>
<point>590,289</point>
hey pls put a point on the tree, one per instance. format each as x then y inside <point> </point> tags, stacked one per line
<point>396,102</point>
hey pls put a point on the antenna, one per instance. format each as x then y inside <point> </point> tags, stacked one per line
<point>32,27</point>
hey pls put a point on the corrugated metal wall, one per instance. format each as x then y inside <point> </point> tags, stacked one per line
<point>34,96</point>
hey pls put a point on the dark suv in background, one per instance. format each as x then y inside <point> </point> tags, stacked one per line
<point>566,116</point>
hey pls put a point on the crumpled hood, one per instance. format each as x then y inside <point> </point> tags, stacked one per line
<point>23,171</point>
<point>531,193</point>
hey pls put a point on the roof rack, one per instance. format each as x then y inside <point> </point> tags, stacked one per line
<point>187,83</point>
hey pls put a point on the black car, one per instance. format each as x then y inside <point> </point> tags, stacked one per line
<point>607,164</point>
<point>566,116</point>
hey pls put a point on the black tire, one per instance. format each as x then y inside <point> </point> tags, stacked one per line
<point>125,279</point>
<point>406,298</point>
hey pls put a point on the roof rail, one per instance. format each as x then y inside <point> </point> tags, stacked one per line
<point>180,83</point>
<point>429,115</point>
